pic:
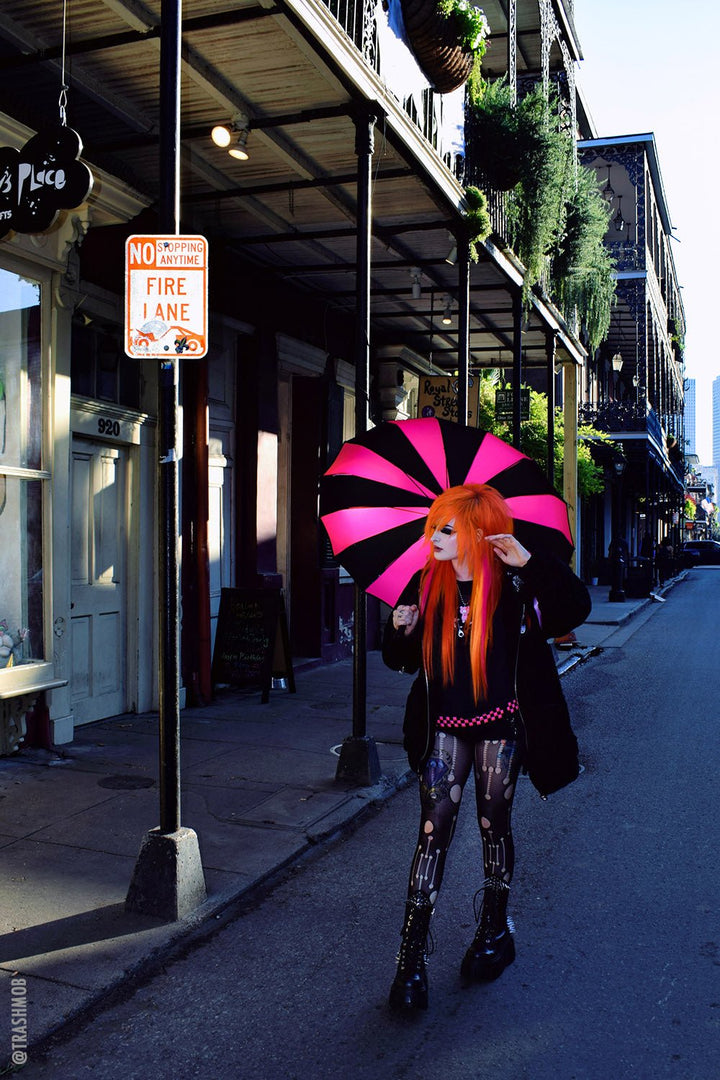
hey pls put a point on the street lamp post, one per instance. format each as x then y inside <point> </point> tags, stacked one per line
<point>618,552</point>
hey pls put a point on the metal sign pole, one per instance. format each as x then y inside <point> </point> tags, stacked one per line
<point>168,880</point>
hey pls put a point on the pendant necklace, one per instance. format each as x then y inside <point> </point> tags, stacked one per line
<point>464,611</point>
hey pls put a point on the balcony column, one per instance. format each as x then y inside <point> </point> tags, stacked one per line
<point>550,342</point>
<point>517,365</point>
<point>570,450</point>
<point>463,328</point>
<point>358,760</point>
<point>512,48</point>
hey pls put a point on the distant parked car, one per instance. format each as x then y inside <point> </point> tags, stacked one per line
<point>701,553</point>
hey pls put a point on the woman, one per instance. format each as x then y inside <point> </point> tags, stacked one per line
<point>488,699</point>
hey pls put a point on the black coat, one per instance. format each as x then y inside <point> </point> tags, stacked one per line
<point>549,601</point>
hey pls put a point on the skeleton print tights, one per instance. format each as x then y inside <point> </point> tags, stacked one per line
<point>496,764</point>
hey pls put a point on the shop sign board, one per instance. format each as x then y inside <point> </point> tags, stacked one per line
<point>438,397</point>
<point>41,179</point>
<point>504,404</point>
<point>166,297</point>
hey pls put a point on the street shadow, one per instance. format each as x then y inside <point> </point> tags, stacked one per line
<point>85,928</point>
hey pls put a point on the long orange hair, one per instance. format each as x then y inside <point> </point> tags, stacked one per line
<point>478,510</point>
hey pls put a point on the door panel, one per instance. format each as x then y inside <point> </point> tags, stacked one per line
<point>219,546</point>
<point>98,561</point>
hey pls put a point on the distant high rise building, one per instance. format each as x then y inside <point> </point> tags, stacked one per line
<point>690,418</point>
<point>716,421</point>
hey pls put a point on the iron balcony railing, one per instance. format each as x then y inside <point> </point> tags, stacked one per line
<point>619,416</point>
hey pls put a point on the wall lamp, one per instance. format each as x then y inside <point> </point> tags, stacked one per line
<point>451,257</point>
<point>233,137</point>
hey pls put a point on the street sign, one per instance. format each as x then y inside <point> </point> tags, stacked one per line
<point>504,404</point>
<point>166,297</point>
<point>438,396</point>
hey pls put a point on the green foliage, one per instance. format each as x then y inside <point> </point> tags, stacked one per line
<point>582,278</point>
<point>690,510</point>
<point>554,211</point>
<point>522,149</point>
<point>473,26</point>
<point>536,210</point>
<point>477,218</point>
<point>534,436</point>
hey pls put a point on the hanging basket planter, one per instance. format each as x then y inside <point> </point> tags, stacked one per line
<point>434,39</point>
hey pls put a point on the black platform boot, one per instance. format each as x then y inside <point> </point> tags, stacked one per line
<point>493,947</point>
<point>410,989</point>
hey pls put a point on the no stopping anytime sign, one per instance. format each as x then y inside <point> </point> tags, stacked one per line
<point>166,296</point>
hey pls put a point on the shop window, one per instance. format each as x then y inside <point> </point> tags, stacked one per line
<point>22,479</point>
<point>100,369</point>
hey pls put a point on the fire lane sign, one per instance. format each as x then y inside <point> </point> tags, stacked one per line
<point>166,297</point>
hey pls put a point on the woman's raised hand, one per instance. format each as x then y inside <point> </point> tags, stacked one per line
<point>405,615</point>
<point>509,549</point>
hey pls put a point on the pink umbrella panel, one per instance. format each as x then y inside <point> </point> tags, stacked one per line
<point>376,496</point>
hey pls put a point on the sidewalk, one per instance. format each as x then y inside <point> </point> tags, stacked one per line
<point>259,790</point>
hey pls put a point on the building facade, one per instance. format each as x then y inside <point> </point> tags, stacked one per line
<point>690,417</point>
<point>331,214</point>
<point>634,388</point>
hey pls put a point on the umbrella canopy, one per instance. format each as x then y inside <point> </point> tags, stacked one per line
<point>375,497</point>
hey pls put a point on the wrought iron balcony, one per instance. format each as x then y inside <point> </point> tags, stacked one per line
<point>357,18</point>
<point>619,416</point>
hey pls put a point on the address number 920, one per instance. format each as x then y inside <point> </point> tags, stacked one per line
<point>106,426</point>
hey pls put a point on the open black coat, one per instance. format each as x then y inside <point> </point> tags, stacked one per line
<point>549,602</point>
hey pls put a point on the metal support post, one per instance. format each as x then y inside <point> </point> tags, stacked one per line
<point>550,379</point>
<point>517,367</point>
<point>463,328</point>
<point>358,761</point>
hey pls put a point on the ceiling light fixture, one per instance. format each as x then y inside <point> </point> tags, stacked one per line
<point>415,278</point>
<point>451,257</point>
<point>447,314</point>
<point>233,137</point>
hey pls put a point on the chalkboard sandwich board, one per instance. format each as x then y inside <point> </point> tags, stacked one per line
<point>251,641</point>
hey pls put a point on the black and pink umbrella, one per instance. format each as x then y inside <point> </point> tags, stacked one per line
<point>375,497</point>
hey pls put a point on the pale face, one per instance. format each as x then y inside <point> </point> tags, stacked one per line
<point>444,542</point>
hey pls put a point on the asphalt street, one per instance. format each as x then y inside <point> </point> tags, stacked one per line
<point>614,898</point>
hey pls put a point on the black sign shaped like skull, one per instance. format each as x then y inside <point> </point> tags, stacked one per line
<point>41,179</point>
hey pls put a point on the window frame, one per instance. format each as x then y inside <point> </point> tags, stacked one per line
<point>38,675</point>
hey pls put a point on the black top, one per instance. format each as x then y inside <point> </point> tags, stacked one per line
<point>457,702</point>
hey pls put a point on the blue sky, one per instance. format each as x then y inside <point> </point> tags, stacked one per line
<point>651,66</point>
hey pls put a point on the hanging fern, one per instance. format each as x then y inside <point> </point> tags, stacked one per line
<point>520,148</point>
<point>582,269</point>
<point>477,219</point>
<point>536,207</point>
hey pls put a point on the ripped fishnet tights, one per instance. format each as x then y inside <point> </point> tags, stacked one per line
<point>496,765</point>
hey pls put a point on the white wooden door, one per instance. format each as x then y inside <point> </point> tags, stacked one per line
<point>219,538</point>
<point>98,567</point>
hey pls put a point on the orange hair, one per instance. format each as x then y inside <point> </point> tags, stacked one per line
<point>478,510</point>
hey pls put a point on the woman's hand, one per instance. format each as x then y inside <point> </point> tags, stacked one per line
<point>508,549</point>
<point>407,616</point>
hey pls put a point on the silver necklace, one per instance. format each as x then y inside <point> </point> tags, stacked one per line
<point>463,611</point>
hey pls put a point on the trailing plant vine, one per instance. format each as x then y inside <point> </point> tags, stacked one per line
<point>582,277</point>
<point>477,219</point>
<point>522,149</point>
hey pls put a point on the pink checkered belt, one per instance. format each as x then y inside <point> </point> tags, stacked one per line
<point>500,712</point>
